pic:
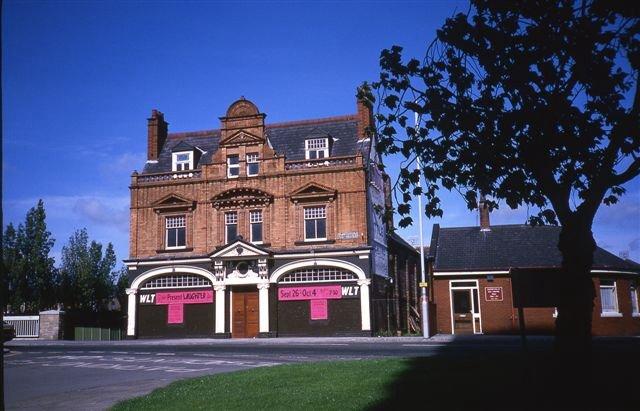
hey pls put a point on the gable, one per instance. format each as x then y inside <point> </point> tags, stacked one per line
<point>182,146</point>
<point>313,191</point>
<point>239,249</point>
<point>173,202</point>
<point>242,137</point>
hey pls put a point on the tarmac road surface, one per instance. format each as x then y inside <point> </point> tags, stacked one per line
<point>86,375</point>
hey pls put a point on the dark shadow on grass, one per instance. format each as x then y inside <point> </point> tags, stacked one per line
<point>489,379</point>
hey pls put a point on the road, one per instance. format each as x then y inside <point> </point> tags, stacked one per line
<point>72,375</point>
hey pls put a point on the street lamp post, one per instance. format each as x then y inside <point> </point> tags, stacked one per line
<point>423,296</point>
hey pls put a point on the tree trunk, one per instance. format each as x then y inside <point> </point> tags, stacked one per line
<point>576,291</point>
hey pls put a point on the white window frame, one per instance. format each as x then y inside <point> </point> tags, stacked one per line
<point>230,221</point>
<point>180,165</point>
<point>317,146</point>
<point>315,217</point>
<point>230,166</point>
<point>253,158</point>
<point>635,300</point>
<point>616,311</point>
<point>255,217</point>
<point>174,221</point>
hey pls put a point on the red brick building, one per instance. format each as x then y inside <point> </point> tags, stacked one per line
<point>473,281</point>
<point>258,229</point>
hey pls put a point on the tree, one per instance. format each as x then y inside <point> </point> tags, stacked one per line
<point>10,261</point>
<point>529,102</point>
<point>87,275</point>
<point>31,275</point>
<point>122,283</point>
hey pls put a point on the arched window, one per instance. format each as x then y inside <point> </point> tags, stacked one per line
<point>318,274</point>
<point>176,281</point>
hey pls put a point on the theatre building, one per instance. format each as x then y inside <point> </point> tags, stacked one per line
<point>486,277</point>
<point>258,229</point>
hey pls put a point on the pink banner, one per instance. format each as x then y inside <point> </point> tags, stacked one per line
<point>319,310</point>
<point>175,314</point>
<point>324,292</point>
<point>185,297</point>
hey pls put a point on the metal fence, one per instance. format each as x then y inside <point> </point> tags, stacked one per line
<point>96,334</point>
<point>27,326</point>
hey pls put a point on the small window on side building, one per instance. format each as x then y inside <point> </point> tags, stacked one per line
<point>635,309</point>
<point>609,298</point>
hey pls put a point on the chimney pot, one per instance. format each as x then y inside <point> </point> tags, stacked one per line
<point>365,119</point>
<point>157,130</point>
<point>483,208</point>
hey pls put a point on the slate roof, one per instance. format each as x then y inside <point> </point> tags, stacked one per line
<point>506,246</point>
<point>286,139</point>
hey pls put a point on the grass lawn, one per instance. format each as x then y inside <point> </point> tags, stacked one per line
<point>473,381</point>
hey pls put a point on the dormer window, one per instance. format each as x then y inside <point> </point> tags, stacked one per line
<point>233,166</point>
<point>316,148</point>
<point>182,160</point>
<point>253,166</point>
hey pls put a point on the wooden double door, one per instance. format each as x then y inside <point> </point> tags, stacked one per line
<point>245,312</point>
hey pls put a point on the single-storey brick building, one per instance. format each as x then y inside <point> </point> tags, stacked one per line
<point>472,276</point>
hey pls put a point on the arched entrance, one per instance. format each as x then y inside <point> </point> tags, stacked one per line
<point>172,302</point>
<point>321,297</point>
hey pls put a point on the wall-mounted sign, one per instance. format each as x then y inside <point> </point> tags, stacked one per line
<point>322,292</point>
<point>493,294</point>
<point>350,291</point>
<point>350,235</point>
<point>175,302</point>
<point>319,310</point>
<point>185,297</point>
<point>175,313</point>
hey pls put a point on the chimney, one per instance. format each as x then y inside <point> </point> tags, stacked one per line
<point>156,134</point>
<point>483,208</point>
<point>365,119</point>
<point>388,202</point>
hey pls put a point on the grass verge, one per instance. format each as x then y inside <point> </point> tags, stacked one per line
<point>451,381</point>
<point>313,386</point>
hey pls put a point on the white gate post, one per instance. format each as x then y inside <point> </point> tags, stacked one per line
<point>131,311</point>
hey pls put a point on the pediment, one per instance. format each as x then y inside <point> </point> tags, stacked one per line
<point>313,191</point>
<point>318,133</point>
<point>182,146</point>
<point>173,202</point>
<point>241,197</point>
<point>242,137</point>
<point>240,249</point>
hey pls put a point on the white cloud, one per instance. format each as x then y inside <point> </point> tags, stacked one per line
<point>123,163</point>
<point>105,217</point>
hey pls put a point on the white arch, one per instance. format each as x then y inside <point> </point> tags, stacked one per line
<point>169,270</point>
<point>312,262</point>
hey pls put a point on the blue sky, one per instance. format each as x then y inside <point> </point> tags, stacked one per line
<point>80,79</point>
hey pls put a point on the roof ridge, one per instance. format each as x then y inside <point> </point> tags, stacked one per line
<point>198,133</point>
<point>313,121</point>
<point>500,226</point>
<point>307,122</point>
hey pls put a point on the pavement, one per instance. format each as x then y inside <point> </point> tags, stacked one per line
<point>94,375</point>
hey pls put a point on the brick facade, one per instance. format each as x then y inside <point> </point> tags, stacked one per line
<point>500,317</point>
<point>213,185</point>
